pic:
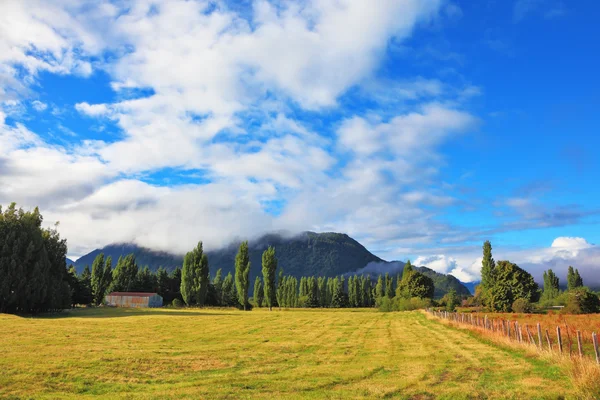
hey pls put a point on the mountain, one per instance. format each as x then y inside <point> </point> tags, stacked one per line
<point>69,262</point>
<point>471,286</point>
<point>143,256</point>
<point>443,283</point>
<point>309,253</point>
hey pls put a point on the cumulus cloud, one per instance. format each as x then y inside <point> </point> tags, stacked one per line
<point>221,87</point>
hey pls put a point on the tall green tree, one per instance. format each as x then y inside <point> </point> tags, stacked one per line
<point>218,284</point>
<point>487,265</point>
<point>379,288</point>
<point>573,279</point>
<point>389,286</point>
<point>195,276</point>
<point>85,283</point>
<point>98,278</point>
<point>340,297</point>
<point>511,283</point>
<point>228,293</point>
<point>242,274</point>
<point>258,292</point>
<point>125,274</point>
<point>269,267</point>
<point>551,286</point>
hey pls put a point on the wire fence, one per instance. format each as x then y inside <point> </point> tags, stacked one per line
<point>564,341</point>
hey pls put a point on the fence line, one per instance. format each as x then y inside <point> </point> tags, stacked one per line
<point>514,331</point>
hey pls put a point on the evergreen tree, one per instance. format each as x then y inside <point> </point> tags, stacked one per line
<point>195,276</point>
<point>242,274</point>
<point>570,278</point>
<point>269,267</point>
<point>175,284</point>
<point>258,292</point>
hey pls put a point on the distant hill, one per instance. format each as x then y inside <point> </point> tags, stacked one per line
<point>471,286</point>
<point>309,253</point>
<point>153,259</point>
<point>443,283</point>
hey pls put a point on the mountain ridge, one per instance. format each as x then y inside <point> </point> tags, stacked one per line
<point>308,253</point>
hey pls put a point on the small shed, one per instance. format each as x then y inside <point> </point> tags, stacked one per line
<point>134,299</point>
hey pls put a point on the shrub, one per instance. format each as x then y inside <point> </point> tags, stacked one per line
<point>581,301</point>
<point>522,306</point>
<point>177,303</point>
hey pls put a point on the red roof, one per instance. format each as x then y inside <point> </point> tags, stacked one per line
<point>132,294</point>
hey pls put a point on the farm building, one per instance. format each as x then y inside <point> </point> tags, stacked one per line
<point>134,299</point>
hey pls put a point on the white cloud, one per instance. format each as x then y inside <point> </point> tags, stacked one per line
<point>207,69</point>
<point>38,105</point>
<point>94,110</point>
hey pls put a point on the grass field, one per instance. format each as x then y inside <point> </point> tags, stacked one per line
<point>162,353</point>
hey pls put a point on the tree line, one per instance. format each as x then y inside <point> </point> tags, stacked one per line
<point>505,287</point>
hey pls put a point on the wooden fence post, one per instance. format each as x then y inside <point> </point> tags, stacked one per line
<point>559,338</point>
<point>595,340</point>
<point>579,344</point>
<point>529,335</point>
<point>539,329</point>
<point>548,339</point>
<point>508,329</point>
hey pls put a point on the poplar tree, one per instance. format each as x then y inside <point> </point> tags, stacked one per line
<point>195,276</point>
<point>228,293</point>
<point>258,292</point>
<point>218,284</point>
<point>269,267</point>
<point>322,283</point>
<point>389,286</point>
<point>379,288</point>
<point>487,266</point>
<point>242,274</point>
<point>97,278</point>
<point>551,286</point>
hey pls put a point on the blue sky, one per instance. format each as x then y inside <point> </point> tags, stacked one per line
<point>421,128</point>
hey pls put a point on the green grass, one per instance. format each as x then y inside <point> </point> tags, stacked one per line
<point>162,353</point>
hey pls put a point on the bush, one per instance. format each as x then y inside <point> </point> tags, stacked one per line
<point>177,303</point>
<point>522,306</point>
<point>401,304</point>
<point>581,301</point>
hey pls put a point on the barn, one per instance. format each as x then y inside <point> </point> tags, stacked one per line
<point>134,299</point>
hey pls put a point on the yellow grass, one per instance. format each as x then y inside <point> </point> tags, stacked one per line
<point>161,353</point>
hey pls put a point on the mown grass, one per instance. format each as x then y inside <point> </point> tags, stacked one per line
<point>161,353</point>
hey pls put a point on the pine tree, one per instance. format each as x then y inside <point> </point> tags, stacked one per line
<point>163,284</point>
<point>242,274</point>
<point>258,294</point>
<point>269,268</point>
<point>195,276</point>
